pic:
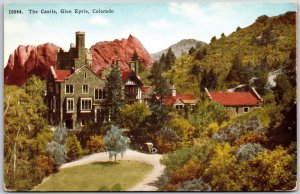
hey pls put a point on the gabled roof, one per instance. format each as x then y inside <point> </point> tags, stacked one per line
<point>185,98</point>
<point>60,75</point>
<point>235,98</point>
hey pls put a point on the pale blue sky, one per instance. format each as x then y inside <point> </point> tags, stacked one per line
<point>156,25</point>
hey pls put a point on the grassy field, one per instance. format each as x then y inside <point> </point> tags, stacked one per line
<point>92,177</point>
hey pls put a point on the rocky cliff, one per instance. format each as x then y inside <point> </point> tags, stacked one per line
<point>36,60</point>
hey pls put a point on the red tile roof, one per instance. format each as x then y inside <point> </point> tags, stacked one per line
<point>125,75</point>
<point>235,98</point>
<point>61,75</point>
<point>172,99</point>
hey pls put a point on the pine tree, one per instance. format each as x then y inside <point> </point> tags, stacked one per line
<point>192,50</point>
<point>170,59</point>
<point>73,147</point>
<point>114,96</point>
<point>235,70</point>
<point>223,35</point>
<point>213,39</point>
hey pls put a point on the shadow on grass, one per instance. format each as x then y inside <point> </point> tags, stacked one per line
<point>108,163</point>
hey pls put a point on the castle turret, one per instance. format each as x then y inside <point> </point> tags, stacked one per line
<point>134,67</point>
<point>81,51</point>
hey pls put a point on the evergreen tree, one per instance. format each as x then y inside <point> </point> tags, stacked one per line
<point>235,70</point>
<point>170,59</point>
<point>199,55</point>
<point>135,56</point>
<point>192,50</point>
<point>213,39</point>
<point>73,147</point>
<point>114,96</point>
<point>115,142</point>
<point>223,35</point>
<point>238,29</point>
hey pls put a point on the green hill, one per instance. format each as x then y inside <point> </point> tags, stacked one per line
<point>270,37</point>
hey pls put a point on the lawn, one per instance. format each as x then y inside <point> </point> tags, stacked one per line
<point>91,177</point>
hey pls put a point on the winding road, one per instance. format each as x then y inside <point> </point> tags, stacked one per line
<point>145,184</point>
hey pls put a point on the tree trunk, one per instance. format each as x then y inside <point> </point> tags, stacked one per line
<point>15,151</point>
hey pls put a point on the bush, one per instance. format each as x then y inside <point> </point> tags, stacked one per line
<point>73,147</point>
<point>95,144</point>
<point>166,140</point>
<point>251,137</point>
<point>46,164</point>
<point>240,127</point>
<point>194,185</point>
<point>189,171</point>
<point>57,151</point>
<point>249,151</point>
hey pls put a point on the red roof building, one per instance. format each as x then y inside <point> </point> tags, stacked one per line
<point>240,102</point>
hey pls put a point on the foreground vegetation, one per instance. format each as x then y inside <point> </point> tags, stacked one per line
<point>96,176</point>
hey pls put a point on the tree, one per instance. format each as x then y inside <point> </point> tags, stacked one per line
<point>170,59</point>
<point>209,80</point>
<point>192,50</point>
<point>235,70</point>
<point>238,29</point>
<point>199,55</point>
<point>267,37</point>
<point>73,147</point>
<point>283,91</point>
<point>222,35</point>
<point>114,96</point>
<point>133,115</point>
<point>115,142</point>
<point>213,39</point>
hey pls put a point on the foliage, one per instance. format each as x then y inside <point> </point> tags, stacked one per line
<point>195,185</point>
<point>73,147</point>
<point>251,137</point>
<point>240,127</point>
<point>57,151</point>
<point>95,144</point>
<point>249,150</point>
<point>188,171</point>
<point>166,140</point>
<point>170,59</point>
<point>114,95</point>
<point>115,142</point>
<point>283,91</point>
<point>183,129</point>
<point>46,164</point>
<point>25,133</point>
<point>132,115</point>
<point>213,39</point>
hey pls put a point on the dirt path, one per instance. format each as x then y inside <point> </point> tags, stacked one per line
<point>144,185</point>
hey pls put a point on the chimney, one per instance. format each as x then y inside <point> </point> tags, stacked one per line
<point>80,42</point>
<point>134,66</point>
<point>173,90</point>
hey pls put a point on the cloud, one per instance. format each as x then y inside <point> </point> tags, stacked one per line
<point>188,9</point>
<point>98,21</point>
<point>160,24</point>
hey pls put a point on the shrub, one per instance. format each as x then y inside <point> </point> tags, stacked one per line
<point>95,144</point>
<point>194,185</point>
<point>73,147</point>
<point>166,140</point>
<point>189,171</point>
<point>57,151</point>
<point>240,127</point>
<point>46,164</point>
<point>251,137</point>
<point>212,129</point>
<point>249,150</point>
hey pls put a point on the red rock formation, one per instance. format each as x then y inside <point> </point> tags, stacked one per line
<point>107,52</point>
<point>32,60</point>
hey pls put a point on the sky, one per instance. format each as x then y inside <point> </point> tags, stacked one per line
<point>156,25</point>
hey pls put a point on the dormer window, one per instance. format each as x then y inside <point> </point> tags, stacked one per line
<point>85,76</point>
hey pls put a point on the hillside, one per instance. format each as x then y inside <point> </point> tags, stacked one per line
<point>36,60</point>
<point>221,52</point>
<point>179,48</point>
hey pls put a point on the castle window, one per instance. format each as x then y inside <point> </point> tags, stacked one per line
<point>70,105</point>
<point>98,94</point>
<point>86,104</point>
<point>69,89</point>
<point>246,109</point>
<point>85,89</point>
<point>192,106</point>
<point>85,76</point>
<point>82,123</point>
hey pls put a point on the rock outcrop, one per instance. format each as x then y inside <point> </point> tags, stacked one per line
<point>36,60</point>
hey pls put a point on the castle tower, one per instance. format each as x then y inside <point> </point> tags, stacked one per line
<point>81,51</point>
<point>134,67</point>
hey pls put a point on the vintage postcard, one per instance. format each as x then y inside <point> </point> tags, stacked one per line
<point>174,96</point>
